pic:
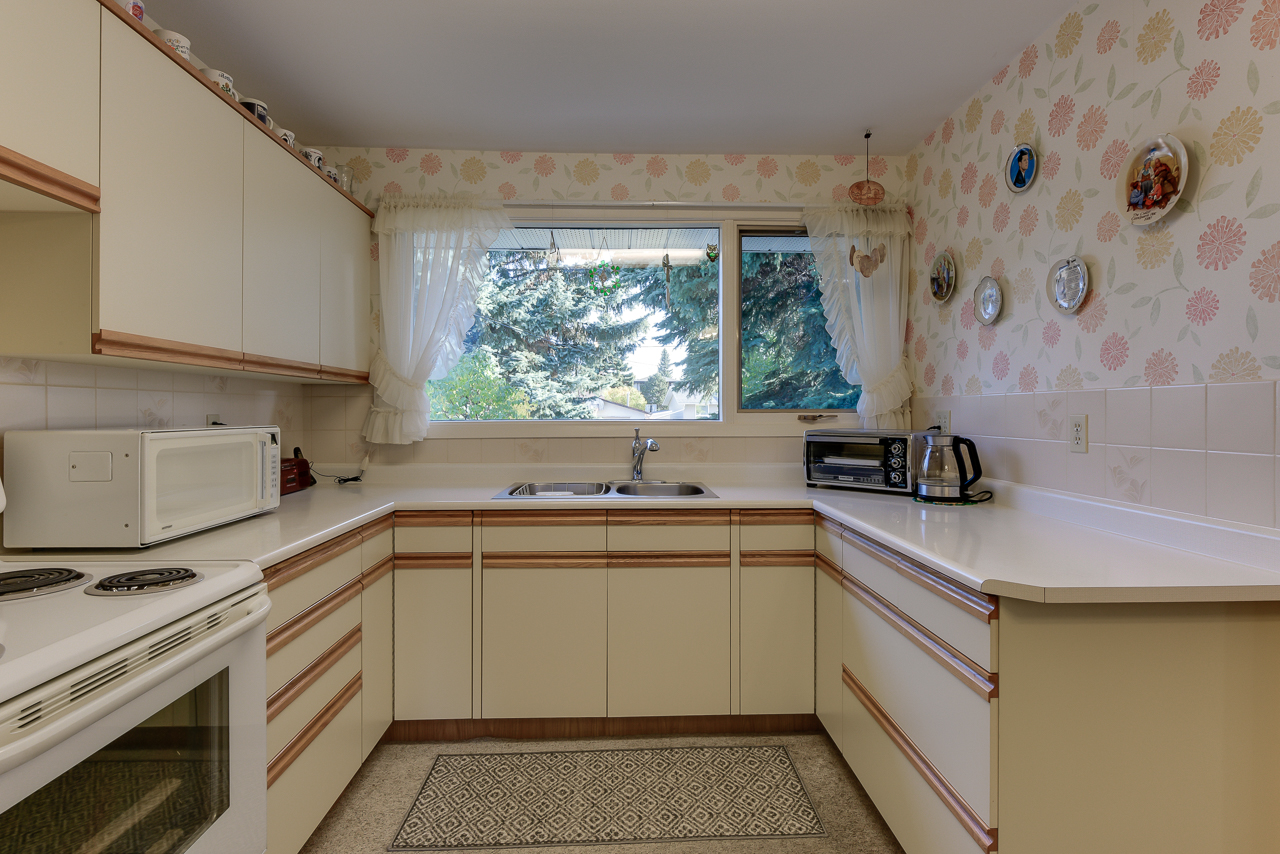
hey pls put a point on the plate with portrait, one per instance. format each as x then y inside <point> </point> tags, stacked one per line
<point>1151,183</point>
<point>1021,167</point>
<point>942,278</point>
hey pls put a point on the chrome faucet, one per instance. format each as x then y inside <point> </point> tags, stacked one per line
<point>638,447</point>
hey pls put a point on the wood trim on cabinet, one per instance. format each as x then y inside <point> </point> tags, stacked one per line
<point>539,518</point>
<point>669,517</point>
<point>433,560</point>
<point>295,626</point>
<point>369,530</point>
<point>343,375</point>
<point>977,679</point>
<point>300,742</point>
<point>980,605</point>
<point>293,689</point>
<point>468,728</point>
<point>373,574</point>
<point>969,819</point>
<point>432,519</point>
<point>281,367</point>
<point>39,178</point>
<point>777,557</point>
<point>141,29</point>
<point>825,564</point>
<point>643,559</point>
<point>130,346</point>
<point>831,526</point>
<point>796,516</point>
<point>300,564</point>
<point>543,560</point>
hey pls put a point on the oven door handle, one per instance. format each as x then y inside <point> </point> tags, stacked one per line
<point>22,747</point>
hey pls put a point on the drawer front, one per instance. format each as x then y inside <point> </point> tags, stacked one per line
<point>668,538</point>
<point>376,548</point>
<point>826,540</point>
<point>775,537</point>
<point>292,718</point>
<point>776,630</point>
<point>301,592</point>
<point>551,538</point>
<point>450,539</point>
<point>432,644</point>
<point>933,603</point>
<point>289,660</point>
<point>947,720</point>
<point>300,797</point>
<point>915,813</point>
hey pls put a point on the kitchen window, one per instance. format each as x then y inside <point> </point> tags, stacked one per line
<point>580,323</point>
<point>786,358</point>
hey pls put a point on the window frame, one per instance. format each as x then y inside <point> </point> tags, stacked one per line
<point>732,222</point>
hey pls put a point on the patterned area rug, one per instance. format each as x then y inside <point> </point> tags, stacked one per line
<point>588,797</point>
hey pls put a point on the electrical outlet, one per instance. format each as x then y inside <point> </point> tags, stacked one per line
<point>212,418</point>
<point>1078,433</point>
<point>942,418</point>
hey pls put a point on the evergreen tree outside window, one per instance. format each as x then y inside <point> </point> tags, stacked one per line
<point>787,361</point>
<point>600,330</point>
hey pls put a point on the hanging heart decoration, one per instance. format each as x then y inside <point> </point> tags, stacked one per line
<point>867,263</point>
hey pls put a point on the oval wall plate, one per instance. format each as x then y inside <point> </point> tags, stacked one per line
<point>1021,168</point>
<point>987,301</point>
<point>1068,284</point>
<point>942,278</point>
<point>1150,185</point>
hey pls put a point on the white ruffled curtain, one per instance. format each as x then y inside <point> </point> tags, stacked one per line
<point>432,253</point>
<point>867,309</point>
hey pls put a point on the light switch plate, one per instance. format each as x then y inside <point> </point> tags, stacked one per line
<point>1078,433</point>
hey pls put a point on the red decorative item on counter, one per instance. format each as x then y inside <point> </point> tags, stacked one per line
<point>295,474</point>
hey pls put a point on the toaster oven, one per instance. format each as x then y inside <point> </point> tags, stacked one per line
<point>883,460</point>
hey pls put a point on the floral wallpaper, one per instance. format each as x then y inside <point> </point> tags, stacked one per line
<point>545,176</point>
<point>1193,298</point>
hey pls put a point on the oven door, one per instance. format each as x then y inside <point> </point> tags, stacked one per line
<point>170,761</point>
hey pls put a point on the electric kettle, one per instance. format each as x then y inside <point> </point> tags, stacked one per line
<point>944,477</point>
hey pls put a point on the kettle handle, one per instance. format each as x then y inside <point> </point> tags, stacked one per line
<point>973,458</point>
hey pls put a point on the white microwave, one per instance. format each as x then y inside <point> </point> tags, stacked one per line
<point>131,488</point>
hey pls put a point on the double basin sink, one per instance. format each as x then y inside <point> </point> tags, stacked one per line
<point>596,489</point>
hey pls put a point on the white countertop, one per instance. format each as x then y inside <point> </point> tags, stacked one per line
<point>1029,544</point>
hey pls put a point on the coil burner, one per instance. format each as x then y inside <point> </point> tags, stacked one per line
<point>144,581</point>
<point>21,583</point>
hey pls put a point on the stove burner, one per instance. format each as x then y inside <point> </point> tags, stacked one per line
<point>144,581</point>
<point>22,583</point>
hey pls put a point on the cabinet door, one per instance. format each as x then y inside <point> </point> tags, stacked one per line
<point>777,639</point>
<point>49,61</point>
<point>376,614</point>
<point>669,638</point>
<point>281,252</point>
<point>345,236</point>
<point>432,644</point>
<point>827,686</point>
<point>171,231</point>
<point>545,638</point>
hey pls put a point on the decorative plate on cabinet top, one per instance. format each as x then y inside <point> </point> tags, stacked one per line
<point>1150,185</point>
<point>1068,284</point>
<point>987,300</point>
<point>942,279</point>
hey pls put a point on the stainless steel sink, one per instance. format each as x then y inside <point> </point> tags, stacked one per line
<point>662,490</point>
<point>556,490</point>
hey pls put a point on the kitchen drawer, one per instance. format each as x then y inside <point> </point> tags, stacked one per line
<point>960,615</point>
<point>378,543</point>
<point>826,539</point>
<point>517,531</point>
<point>951,723</point>
<point>775,529</point>
<point>297,643</point>
<point>432,531</point>
<point>298,583</point>
<point>302,794</point>
<point>315,687</point>
<point>668,530</point>
<point>921,820</point>
<point>776,630</point>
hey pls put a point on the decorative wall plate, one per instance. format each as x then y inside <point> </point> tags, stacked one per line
<point>942,279</point>
<point>987,300</point>
<point>1068,284</point>
<point>1021,167</point>
<point>1150,185</point>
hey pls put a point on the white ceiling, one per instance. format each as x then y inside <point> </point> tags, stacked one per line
<point>665,76</point>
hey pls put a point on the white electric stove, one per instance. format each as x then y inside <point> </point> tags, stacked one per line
<point>135,691</point>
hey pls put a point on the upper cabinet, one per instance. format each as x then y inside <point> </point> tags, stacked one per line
<point>344,288</point>
<point>49,56</point>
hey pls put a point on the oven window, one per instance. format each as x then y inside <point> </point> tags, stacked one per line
<point>154,790</point>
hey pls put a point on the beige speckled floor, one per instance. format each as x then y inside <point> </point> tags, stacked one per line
<point>365,819</point>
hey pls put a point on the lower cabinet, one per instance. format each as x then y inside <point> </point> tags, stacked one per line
<point>777,635</point>
<point>376,615</point>
<point>545,638</point>
<point>669,634</point>
<point>827,690</point>
<point>432,641</point>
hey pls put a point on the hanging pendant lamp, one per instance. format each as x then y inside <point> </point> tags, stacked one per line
<point>867,192</point>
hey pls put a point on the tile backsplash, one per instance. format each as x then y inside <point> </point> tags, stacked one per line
<point>1209,450</point>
